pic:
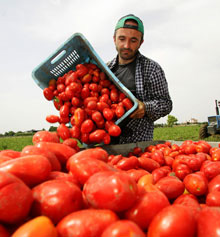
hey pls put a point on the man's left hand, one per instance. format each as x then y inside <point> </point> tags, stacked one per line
<point>139,112</point>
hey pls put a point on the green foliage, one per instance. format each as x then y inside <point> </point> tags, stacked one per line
<point>15,143</point>
<point>52,129</point>
<point>171,120</point>
<point>182,133</point>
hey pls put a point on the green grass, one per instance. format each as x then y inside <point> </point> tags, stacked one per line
<point>181,133</point>
<point>176,133</point>
<point>15,143</point>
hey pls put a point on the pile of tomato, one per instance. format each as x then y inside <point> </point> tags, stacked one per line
<point>52,188</point>
<point>88,101</point>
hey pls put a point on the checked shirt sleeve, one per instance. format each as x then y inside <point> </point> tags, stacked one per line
<point>154,91</point>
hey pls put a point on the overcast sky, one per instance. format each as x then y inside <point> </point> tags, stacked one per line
<point>182,36</point>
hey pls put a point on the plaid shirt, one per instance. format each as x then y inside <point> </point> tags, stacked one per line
<point>152,90</point>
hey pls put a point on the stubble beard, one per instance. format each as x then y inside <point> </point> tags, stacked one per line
<point>130,54</point>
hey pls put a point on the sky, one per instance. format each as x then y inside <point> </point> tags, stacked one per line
<point>182,36</point>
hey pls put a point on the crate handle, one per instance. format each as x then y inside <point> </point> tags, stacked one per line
<point>58,57</point>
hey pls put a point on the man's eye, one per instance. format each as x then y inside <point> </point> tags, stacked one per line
<point>133,40</point>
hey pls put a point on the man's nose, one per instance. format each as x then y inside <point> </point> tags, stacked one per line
<point>127,44</point>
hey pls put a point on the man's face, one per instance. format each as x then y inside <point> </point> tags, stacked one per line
<point>127,42</point>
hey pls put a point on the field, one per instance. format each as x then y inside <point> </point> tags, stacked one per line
<point>176,133</point>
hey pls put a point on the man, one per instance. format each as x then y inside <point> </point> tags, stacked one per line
<point>143,77</point>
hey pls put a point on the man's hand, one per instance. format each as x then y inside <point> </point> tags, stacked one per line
<point>139,112</point>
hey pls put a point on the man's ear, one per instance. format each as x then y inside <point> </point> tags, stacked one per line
<point>141,42</point>
<point>114,38</point>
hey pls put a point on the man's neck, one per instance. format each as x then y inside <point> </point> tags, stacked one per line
<point>123,62</point>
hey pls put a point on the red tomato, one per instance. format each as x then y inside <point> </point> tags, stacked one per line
<point>85,138</point>
<point>128,163</point>
<point>114,95</point>
<point>81,70</point>
<point>146,208</point>
<point>57,102</point>
<point>4,158</point>
<point>216,155</point>
<point>137,151</point>
<point>171,186</point>
<point>108,114</point>
<point>105,91</point>
<point>86,78</point>
<point>48,94</point>
<point>136,174</point>
<point>59,175</point>
<point>190,148</point>
<point>97,116</point>
<point>110,190</point>
<point>160,173</point>
<point>169,160</point>
<point>114,130</point>
<point>67,196</point>
<point>52,118</point>
<point>70,142</point>
<point>108,125</point>
<point>15,199</point>
<point>31,169</point>
<point>105,83</point>
<point>75,101</point>
<point>79,116</point>
<point>148,164</point>
<point>121,96</point>
<point>64,111</point>
<point>203,146</point>
<point>61,87</point>
<point>92,105</point>
<point>196,183</point>
<point>63,131</point>
<point>210,169</point>
<point>123,228</point>
<point>75,132</point>
<point>104,98</point>
<point>76,87</point>
<point>86,223</point>
<point>71,77</point>
<point>93,87</point>
<point>182,170</point>
<point>189,200</point>
<point>10,153</point>
<point>69,92</point>
<point>45,136</point>
<point>158,156</point>
<point>180,219</point>
<point>127,103</point>
<point>33,150</point>
<point>208,222</point>
<point>62,152</point>
<point>4,232</point>
<point>85,92</point>
<point>214,184</point>
<point>101,106</point>
<point>87,126</point>
<point>107,139</point>
<point>97,136</point>
<point>213,198</point>
<point>89,99</point>
<point>84,167</point>
<point>94,153</point>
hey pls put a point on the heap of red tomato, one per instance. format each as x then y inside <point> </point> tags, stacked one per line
<point>88,101</point>
<point>51,188</point>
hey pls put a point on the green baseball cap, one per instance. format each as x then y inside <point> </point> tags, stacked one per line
<point>121,23</point>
